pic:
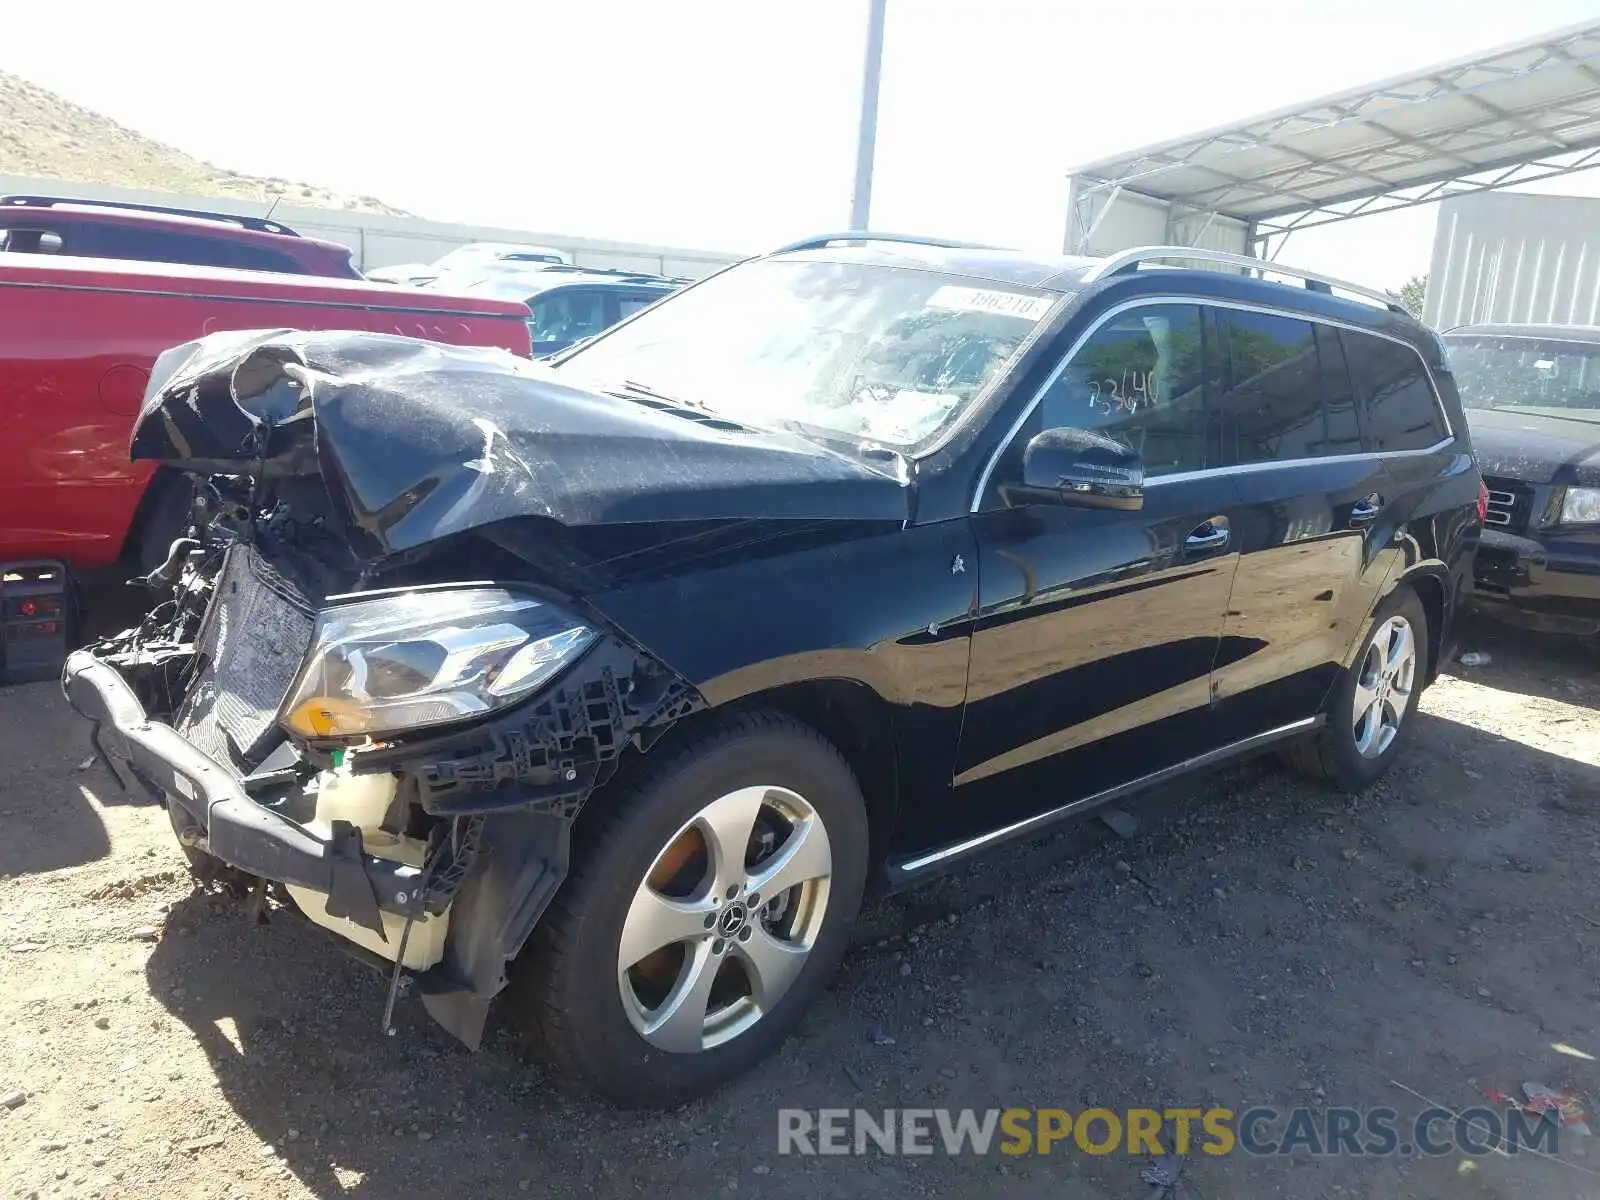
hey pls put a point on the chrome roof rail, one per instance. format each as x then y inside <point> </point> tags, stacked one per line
<point>1125,262</point>
<point>824,240</point>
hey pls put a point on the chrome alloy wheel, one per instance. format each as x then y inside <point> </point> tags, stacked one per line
<point>724,919</point>
<point>1383,686</point>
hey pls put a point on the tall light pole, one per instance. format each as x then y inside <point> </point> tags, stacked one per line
<point>867,138</point>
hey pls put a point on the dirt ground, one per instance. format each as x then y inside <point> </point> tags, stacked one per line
<point>1260,942</point>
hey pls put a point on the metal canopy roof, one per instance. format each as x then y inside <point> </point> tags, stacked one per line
<point>1522,112</point>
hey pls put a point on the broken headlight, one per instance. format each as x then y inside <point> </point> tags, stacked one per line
<point>427,658</point>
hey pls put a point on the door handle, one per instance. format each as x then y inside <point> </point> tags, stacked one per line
<point>1210,536</point>
<point>1366,509</point>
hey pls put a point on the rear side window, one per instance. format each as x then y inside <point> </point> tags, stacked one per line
<point>1271,408</point>
<point>1338,394</point>
<point>1141,378</point>
<point>161,245</point>
<point>629,304</point>
<point>1392,388</point>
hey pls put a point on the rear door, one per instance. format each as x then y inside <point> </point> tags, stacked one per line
<point>1096,628</point>
<point>1404,422</point>
<point>1308,529</point>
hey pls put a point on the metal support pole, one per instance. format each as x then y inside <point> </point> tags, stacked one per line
<point>867,139</point>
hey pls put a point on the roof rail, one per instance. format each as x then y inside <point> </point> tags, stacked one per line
<point>1125,262</point>
<point>620,272</point>
<point>822,241</point>
<point>258,224</point>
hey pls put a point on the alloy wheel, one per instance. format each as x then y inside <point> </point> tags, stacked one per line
<point>1384,682</point>
<point>725,919</point>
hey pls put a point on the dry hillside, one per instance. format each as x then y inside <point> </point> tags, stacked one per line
<point>41,134</point>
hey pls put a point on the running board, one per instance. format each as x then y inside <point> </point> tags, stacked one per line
<point>902,871</point>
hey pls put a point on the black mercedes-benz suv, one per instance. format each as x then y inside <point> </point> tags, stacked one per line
<point>620,678</point>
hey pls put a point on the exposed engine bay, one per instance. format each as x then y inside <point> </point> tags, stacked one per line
<point>391,741</point>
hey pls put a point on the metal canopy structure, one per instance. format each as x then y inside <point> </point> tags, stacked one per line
<point>1512,115</point>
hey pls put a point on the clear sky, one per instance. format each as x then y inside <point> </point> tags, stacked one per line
<point>730,124</point>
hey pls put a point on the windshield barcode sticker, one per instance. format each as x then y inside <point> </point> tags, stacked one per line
<point>1005,304</point>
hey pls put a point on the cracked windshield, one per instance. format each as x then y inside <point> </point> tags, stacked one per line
<point>871,353</point>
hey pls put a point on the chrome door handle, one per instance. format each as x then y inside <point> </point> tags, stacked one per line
<point>1200,539</point>
<point>1366,510</point>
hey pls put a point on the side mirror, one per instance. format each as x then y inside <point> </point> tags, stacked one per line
<point>1080,468</point>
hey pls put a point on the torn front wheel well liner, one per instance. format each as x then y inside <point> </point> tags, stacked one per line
<point>520,780</point>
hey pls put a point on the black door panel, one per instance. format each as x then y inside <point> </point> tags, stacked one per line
<point>1309,572</point>
<point>1092,624</point>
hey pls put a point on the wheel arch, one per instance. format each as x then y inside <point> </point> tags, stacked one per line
<point>1429,582</point>
<point>160,492</point>
<point>846,711</point>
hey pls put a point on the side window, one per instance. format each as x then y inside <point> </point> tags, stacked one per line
<point>630,304</point>
<point>1271,408</point>
<point>119,241</point>
<point>31,241</point>
<point>1338,394</point>
<point>1140,378</point>
<point>164,246</point>
<point>219,252</point>
<point>1392,386</point>
<point>567,316</point>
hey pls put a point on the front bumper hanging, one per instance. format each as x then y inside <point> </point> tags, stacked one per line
<point>236,829</point>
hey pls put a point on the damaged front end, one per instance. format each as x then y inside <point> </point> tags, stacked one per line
<point>391,736</point>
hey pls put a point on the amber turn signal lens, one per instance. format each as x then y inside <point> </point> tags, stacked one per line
<point>329,716</point>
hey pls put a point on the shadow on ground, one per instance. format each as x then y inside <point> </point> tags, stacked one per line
<point>1261,942</point>
<point>49,820</point>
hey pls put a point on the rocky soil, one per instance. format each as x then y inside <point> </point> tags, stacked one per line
<point>1259,941</point>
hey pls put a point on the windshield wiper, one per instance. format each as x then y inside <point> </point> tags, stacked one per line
<point>650,393</point>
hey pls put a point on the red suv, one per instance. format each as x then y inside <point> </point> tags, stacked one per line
<point>153,233</point>
<point>78,338</point>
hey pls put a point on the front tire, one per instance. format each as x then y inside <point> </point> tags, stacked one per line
<point>1373,707</point>
<point>708,903</point>
<point>167,517</point>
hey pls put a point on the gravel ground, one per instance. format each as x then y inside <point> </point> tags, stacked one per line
<point>1261,941</point>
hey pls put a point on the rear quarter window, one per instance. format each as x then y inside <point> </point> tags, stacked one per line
<point>1393,390</point>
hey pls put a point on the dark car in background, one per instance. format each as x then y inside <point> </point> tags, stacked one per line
<point>1532,395</point>
<point>622,677</point>
<point>566,304</point>
<point>78,228</point>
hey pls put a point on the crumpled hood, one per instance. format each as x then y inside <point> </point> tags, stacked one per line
<point>1534,447</point>
<point>417,440</point>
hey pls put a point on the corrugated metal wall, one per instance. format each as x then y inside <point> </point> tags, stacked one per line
<point>1134,219</point>
<point>1510,256</point>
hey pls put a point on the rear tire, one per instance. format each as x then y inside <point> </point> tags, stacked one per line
<point>660,970</point>
<point>1374,704</point>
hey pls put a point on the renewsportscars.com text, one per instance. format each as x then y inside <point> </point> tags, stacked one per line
<point>1372,1132</point>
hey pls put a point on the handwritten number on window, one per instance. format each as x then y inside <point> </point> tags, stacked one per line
<point>1135,390</point>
